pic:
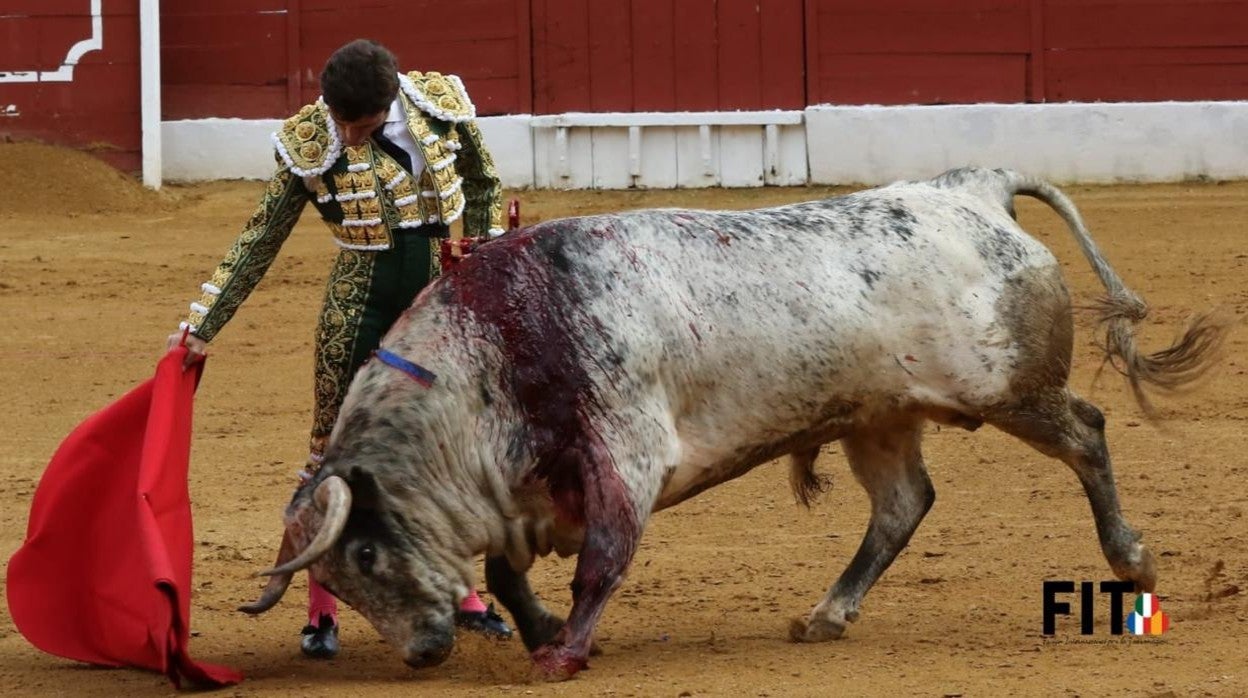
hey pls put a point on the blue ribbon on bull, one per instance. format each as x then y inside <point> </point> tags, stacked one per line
<point>417,373</point>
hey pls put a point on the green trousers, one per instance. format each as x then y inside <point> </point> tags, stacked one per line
<point>366,292</point>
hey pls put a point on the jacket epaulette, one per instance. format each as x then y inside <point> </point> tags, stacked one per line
<point>438,95</point>
<point>306,143</point>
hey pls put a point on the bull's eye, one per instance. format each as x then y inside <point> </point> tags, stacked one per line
<point>365,558</point>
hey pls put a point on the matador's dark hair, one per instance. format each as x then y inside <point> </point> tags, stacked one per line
<point>359,80</point>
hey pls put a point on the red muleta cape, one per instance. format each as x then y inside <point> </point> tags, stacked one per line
<point>105,573</point>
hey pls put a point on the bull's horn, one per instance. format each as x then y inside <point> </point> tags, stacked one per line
<point>277,583</point>
<point>333,496</point>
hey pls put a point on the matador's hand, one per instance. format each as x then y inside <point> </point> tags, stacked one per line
<point>197,348</point>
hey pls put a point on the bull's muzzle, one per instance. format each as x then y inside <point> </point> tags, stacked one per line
<point>429,651</point>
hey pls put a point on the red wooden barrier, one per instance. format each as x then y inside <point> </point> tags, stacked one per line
<point>917,52</point>
<point>261,58</point>
<point>667,55</point>
<point>99,109</point>
<point>252,58</point>
<point>225,58</point>
<point>1142,50</point>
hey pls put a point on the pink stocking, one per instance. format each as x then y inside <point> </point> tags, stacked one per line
<point>472,603</point>
<point>320,602</point>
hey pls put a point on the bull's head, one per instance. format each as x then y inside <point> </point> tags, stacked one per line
<point>367,557</point>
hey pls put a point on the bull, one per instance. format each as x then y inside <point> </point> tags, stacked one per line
<point>566,381</point>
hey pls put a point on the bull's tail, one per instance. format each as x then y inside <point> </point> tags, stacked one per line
<point>1121,309</point>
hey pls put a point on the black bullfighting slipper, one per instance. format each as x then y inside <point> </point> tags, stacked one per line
<point>320,641</point>
<point>486,622</point>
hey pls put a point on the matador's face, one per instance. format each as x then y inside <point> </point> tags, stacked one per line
<point>356,132</point>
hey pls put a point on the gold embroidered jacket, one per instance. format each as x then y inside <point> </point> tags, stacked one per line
<point>362,194</point>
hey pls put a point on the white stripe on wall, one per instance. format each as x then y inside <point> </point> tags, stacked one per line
<point>1157,141</point>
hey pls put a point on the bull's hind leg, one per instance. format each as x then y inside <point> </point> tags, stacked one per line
<point>1064,426</point>
<point>887,462</point>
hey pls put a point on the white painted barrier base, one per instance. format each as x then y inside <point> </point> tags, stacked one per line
<point>1137,142</point>
<point>668,150</point>
<point>1161,141</point>
<point>206,149</point>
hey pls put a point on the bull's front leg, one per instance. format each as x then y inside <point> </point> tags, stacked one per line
<point>612,530</point>
<point>537,625</point>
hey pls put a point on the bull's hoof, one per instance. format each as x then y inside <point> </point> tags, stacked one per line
<point>1142,570</point>
<point>539,632</point>
<point>557,663</point>
<point>815,630</point>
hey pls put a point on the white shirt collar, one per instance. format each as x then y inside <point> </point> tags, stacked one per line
<point>396,114</point>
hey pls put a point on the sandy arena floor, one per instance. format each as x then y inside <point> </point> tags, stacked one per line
<point>96,272</point>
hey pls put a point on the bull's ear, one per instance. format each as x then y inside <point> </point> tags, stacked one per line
<point>365,494</point>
